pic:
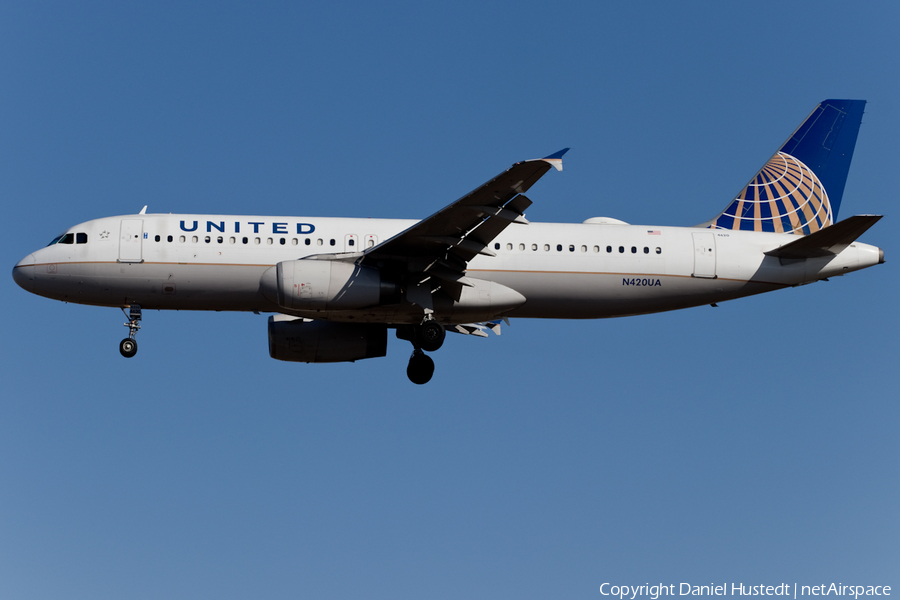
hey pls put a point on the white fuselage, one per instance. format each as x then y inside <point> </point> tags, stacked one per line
<point>216,262</point>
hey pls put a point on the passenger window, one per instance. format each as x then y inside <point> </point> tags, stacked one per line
<point>256,241</point>
<point>269,241</point>
<point>521,246</point>
<point>609,248</point>
<point>208,239</point>
<point>231,240</point>
<point>371,243</point>
<point>496,246</point>
<point>534,247</point>
<point>281,241</point>
<point>352,242</point>
<point>546,247</point>
<point>559,247</point>
<point>307,241</point>
<point>181,239</point>
<point>571,247</point>
<point>596,248</point>
<point>169,238</point>
<point>81,238</point>
<point>156,238</point>
<point>319,242</point>
<point>509,246</point>
<point>220,239</point>
<point>646,250</point>
<point>634,249</point>
<point>294,242</point>
<point>244,240</point>
<point>331,242</point>
<point>658,250</point>
<point>621,249</point>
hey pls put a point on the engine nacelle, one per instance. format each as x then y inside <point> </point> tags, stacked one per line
<point>300,340</point>
<point>310,284</point>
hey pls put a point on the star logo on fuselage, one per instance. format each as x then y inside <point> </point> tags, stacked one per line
<point>104,235</point>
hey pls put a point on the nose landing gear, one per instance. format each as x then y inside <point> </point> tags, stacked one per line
<point>128,347</point>
<point>426,337</point>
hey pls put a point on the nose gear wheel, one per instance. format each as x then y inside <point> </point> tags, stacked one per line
<point>128,347</point>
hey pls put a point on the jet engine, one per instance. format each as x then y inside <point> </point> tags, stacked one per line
<point>303,340</point>
<point>311,284</point>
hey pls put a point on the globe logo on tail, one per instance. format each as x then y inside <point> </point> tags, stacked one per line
<point>784,197</point>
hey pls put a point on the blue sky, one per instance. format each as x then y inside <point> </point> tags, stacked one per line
<point>755,442</point>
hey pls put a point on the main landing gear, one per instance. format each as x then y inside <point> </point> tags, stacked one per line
<point>420,368</point>
<point>426,337</point>
<point>128,346</point>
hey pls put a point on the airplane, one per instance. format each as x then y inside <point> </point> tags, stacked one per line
<point>336,285</point>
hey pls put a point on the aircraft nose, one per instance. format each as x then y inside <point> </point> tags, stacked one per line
<point>23,273</point>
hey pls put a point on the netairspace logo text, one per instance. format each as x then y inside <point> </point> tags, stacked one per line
<point>654,592</point>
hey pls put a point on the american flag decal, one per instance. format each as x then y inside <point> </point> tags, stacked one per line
<point>653,232</point>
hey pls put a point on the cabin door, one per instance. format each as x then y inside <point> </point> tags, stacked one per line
<point>704,255</point>
<point>131,233</point>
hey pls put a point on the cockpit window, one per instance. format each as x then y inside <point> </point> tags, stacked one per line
<point>81,238</point>
<point>66,238</point>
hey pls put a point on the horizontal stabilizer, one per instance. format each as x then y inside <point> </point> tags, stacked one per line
<point>829,241</point>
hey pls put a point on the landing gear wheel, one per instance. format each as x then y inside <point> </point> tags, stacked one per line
<point>420,368</point>
<point>128,347</point>
<point>431,335</point>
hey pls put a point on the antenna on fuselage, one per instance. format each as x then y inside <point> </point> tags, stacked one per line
<point>143,210</point>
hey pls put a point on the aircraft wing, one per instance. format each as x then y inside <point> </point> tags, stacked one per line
<point>440,246</point>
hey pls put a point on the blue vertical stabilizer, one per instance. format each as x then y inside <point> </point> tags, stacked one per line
<point>799,189</point>
<point>825,142</point>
